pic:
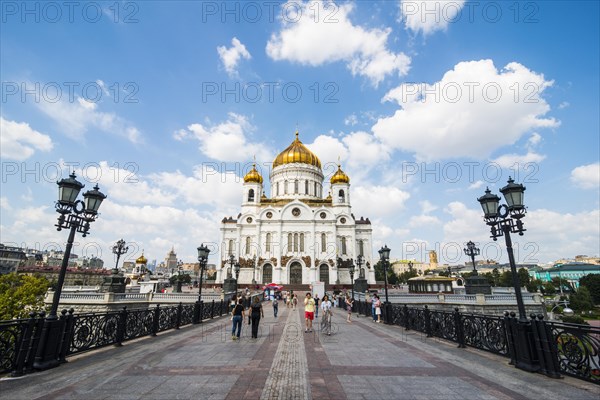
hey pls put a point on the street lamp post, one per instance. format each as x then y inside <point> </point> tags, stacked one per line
<point>75,215</point>
<point>236,268</point>
<point>203,252</point>
<point>179,277</point>
<point>384,256</point>
<point>229,283</point>
<point>503,220</point>
<point>351,270</point>
<point>119,249</point>
<point>254,270</point>
<point>472,251</point>
<point>566,309</point>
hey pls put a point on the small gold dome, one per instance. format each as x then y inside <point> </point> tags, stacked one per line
<point>297,153</point>
<point>253,176</point>
<point>141,259</point>
<point>340,176</point>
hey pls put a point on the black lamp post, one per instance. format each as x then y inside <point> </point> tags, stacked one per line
<point>503,220</point>
<point>472,251</point>
<point>236,268</point>
<point>203,252</point>
<point>351,269</point>
<point>384,256</point>
<point>231,264</point>
<point>229,283</point>
<point>179,277</point>
<point>119,249</point>
<point>75,215</point>
<point>359,261</point>
<point>254,270</point>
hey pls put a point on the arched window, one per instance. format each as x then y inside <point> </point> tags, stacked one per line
<point>230,246</point>
<point>315,193</point>
<point>343,245</point>
<point>341,196</point>
<point>296,186</point>
<point>247,244</point>
<point>302,243</point>
<point>289,249</point>
<point>268,243</point>
<point>295,242</point>
<point>361,247</point>
<point>323,243</point>
<point>306,187</point>
<point>251,195</point>
<point>277,189</point>
<point>285,188</point>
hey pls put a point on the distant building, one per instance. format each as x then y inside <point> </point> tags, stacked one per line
<point>73,277</point>
<point>11,258</point>
<point>570,272</point>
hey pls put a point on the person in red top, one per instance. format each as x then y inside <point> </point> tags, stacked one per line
<point>309,311</point>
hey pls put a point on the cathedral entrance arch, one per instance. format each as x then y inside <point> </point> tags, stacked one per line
<point>295,273</point>
<point>324,273</point>
<point>267,273</point>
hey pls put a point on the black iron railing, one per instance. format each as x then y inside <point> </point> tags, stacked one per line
<point>19,339</point>
<point>559,348</point>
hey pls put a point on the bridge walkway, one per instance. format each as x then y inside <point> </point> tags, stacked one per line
<point>362,360</point>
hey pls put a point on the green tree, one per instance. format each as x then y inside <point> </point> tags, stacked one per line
<point>185,278</point>
<point>592,282</point>
<point>534,285</point>
<point>548,289</point>
<point>405,276</point>
<point>505,279</point>
<point>21,294</point>
<point>496,277</point>
<point>524,277</point>
<point>581,300</point>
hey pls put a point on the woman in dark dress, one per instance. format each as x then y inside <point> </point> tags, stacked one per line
<point>256,314</point>
<point>237,316</point>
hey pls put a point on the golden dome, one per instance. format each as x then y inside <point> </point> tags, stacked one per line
<point>297,153</point>
<point>141,259</point>
<point>340,176</point>
<point>253,176</point>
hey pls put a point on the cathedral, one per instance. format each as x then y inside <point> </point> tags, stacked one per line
<point>296,236</point>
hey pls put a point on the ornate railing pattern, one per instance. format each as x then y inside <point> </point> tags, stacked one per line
<point>19,339</point>
<point>569,349</point>
<point>578,349</point>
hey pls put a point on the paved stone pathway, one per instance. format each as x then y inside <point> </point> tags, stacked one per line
<point>288,374</point>
<point>362,360</point>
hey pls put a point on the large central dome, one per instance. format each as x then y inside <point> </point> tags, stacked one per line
<point>297,153</point>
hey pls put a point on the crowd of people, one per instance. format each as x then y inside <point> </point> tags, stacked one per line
<point>312,306</point>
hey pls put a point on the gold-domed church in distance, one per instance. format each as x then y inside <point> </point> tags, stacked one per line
<point>297,236</point>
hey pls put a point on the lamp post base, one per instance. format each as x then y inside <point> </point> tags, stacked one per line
<point>48,353</point>
<point>230,285</point>
<point>361,285</point>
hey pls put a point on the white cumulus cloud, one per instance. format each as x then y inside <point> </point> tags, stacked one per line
<point>586,176</point>
<point>19,141</point>
<point>230,57</point>
<point>226,141</point>
<point>321,33</point>
<point>472,111</point>
<point>430,16</point>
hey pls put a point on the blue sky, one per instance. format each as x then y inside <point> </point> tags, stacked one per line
<point>165,104</point>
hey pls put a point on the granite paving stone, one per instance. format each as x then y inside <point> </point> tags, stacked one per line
<point>362,360</point>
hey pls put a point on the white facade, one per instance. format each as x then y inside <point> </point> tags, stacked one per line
<point>296,236</point>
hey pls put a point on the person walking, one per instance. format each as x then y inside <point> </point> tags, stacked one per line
<point>233,303</point>
<point>295,301</point>
<point>316,305</point>
<point>275,306</point>
<point>237,316</point>
<point>309,311</point>
<point>327,314</point>
<point>255,314</point>
<point>349,304</point>
<point>378,309</point>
